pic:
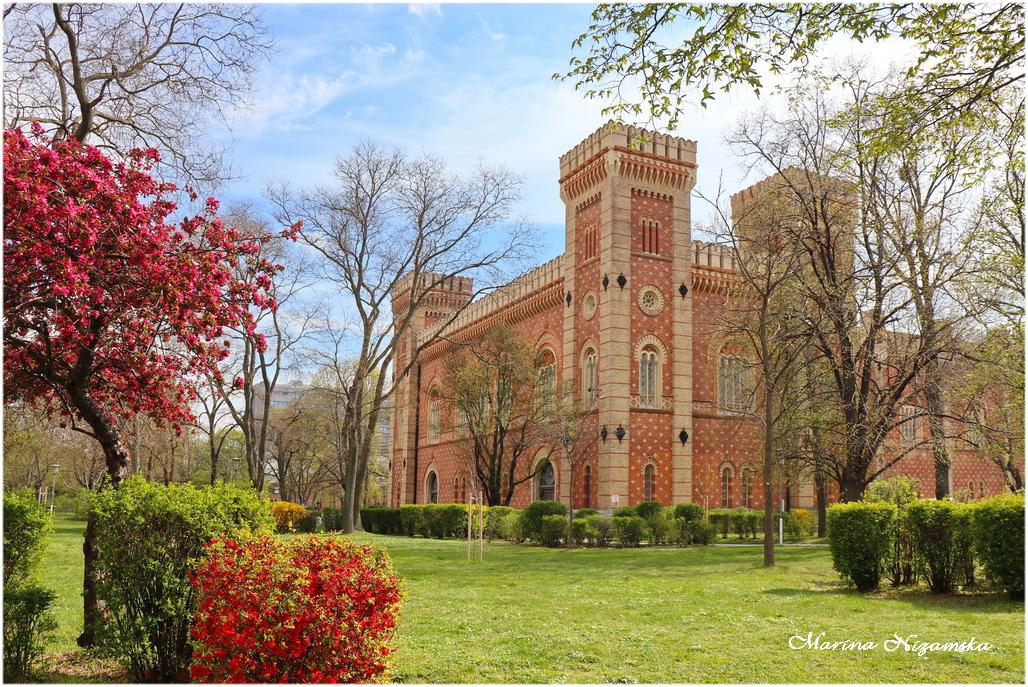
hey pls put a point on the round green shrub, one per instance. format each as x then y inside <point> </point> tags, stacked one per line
<point>859,535</point>
<point>628,530</point>
<point>582,512</point>
<point>508,527</point>
<point>690,512</point>
<point>493,514</point>
<point>625,512</point>
<point>997,528</point>
<point>552,530</point>
<point>660,528</point>
<point>151,537</point>
<point>532,517</point>
<point>703,533</point>
<point>584,529</point>
<point>647,508</point>
<point>940,533</point>
<point>26,525</point>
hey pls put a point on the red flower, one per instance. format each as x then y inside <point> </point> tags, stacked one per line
<point>310,610</point>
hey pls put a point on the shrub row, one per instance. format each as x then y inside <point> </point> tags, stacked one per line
<point>940,539</point>
<point>545,522</point>
<point>28,620</point>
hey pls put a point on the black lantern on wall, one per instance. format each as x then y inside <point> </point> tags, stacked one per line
<point>567,299</point>
<point>622,280</point>
<point>684,290</point>
<point>683,437</point>
<point>603,433</point>
<point>620,433</point>
<point>605,282</point>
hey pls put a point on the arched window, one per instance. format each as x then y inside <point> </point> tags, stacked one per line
<point>457,497</point>
<point>588,486</point>
<point>547,384</point>
<point>433,488</point>
<point>733,387</point>
<point>547,483</point>
<point>726,487</point>
<point>649,378</point>
<point>589,379</point>
<point>746,478</point>
<point>908,423</point>
<point>649,486</point>
<point>970,489</point>
<point>434,413</point>
<point>981,490</point>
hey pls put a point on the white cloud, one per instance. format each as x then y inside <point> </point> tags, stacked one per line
<point>489,31</point>
<point>424,9</point>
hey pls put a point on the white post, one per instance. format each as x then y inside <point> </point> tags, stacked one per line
<point>481,526</point>
<point>781,524</point>
<point>471,500</point>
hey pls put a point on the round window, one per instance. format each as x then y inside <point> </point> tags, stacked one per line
<point>589,305</point>
<point>651,301</point>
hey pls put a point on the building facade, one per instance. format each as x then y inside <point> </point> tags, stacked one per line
<point>628,317</point>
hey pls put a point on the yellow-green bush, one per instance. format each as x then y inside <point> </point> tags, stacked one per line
<point>287,515</point>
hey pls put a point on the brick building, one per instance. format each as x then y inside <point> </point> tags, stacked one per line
<point>626,315</point>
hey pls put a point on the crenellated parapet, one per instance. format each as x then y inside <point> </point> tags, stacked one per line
<point>536,289</point>
<point>648,157</point>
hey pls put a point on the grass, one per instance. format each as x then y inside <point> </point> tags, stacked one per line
<point>700,614</point>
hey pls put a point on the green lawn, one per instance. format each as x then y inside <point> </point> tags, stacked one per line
<point>647,615</point>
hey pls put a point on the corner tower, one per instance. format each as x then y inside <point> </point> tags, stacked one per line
<point>435,297</point>
<point>627,340</point>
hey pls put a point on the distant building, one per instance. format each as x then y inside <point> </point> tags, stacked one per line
<point>282,396</point>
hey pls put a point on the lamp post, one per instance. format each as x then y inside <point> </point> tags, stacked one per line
<point>53,491</point>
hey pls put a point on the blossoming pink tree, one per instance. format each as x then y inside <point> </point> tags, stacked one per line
<point>110,310</point>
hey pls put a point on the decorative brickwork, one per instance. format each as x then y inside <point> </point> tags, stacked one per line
<point>628,231</point>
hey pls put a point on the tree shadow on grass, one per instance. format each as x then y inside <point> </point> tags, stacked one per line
<point>978,602</point>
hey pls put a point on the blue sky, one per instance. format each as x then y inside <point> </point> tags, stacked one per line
<point>466,82</point>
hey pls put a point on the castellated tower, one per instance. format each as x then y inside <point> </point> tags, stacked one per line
<point>446,295</point>
<point>627,339</point>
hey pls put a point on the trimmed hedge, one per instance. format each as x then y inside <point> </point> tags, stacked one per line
<point>628,530</point>
<point>379,520</point>
<point>859,535</point>
<point>552,530</point>
<point>646,509</point>
<point>690,512</point>
<point>584,530</point>
<point>997,526</point>
<point>941,536</point>
<point>625,512</point>
<point>582,512</point>
<point>532,517</point>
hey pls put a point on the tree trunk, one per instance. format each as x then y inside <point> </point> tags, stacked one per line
<point>117,460</point>
<point>769,506</point>
<point>933,399</point>
<point>821,486</point>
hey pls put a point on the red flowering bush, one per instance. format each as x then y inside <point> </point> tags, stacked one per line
<point>308,609</point>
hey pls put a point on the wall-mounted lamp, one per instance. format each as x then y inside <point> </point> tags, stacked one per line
<point>622,280</point>
<point>620,433</point>
<point>683,289</point>
<point>605,282</point>
<point>603,433</point>
<point>683,437</point>
<point>567,299</point>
